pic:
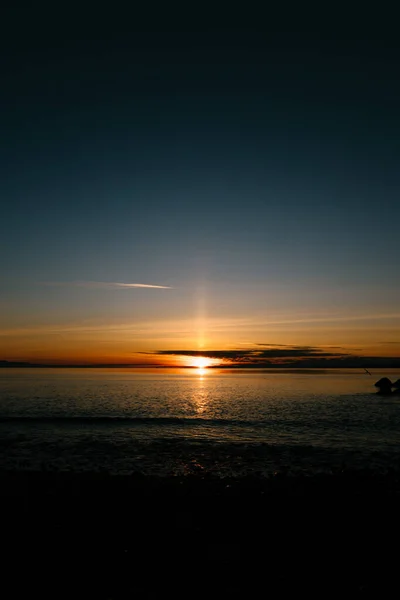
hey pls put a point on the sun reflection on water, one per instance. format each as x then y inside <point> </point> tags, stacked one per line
<point>200,396</point>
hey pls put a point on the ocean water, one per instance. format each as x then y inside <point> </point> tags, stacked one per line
<point>197,421</point>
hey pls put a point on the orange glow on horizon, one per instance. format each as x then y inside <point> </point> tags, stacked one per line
<point>201,362</point>
<point>203,343</point>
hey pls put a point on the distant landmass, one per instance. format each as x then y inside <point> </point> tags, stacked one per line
<point>14,364</point>
<point>367,362</point>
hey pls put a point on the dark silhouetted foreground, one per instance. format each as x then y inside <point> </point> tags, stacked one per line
<point>103,536</point>
<point>385,386</point>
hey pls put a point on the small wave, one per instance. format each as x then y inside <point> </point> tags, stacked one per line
<point>109,420</point>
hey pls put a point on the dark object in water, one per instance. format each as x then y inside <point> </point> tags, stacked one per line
<point>384,386</point>
<point>396,384</point>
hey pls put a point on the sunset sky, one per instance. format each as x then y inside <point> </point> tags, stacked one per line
<point>232,194</point>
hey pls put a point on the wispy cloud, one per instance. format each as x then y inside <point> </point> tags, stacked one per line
<point>333,318</point>
<point>105,285</point>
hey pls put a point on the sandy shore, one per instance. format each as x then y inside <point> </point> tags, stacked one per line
<point>97,535</point>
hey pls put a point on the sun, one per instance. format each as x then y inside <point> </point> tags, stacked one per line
<point>201,362</point>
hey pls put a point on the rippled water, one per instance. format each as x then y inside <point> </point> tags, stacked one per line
<point>182,421</point>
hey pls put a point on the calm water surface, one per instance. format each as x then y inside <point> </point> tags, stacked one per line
<point>222,422</point>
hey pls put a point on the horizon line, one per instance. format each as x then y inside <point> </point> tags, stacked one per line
<point>23,364</point>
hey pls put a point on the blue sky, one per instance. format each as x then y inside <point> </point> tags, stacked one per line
<point>256,176</point>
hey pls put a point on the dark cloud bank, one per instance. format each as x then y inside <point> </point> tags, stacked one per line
<point>271,355</point>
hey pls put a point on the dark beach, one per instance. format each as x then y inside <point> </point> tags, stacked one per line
<point>108,536</point>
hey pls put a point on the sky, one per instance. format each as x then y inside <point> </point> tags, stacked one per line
<point>232,194</point>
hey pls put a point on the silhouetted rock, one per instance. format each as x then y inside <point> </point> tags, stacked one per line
<point>384,386</point>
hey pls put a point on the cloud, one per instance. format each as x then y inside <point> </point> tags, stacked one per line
<point>275,345</point>
<point>256,355</point>
<point>333,318</point>
<point>105,285</point>
<point>295,356</point>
